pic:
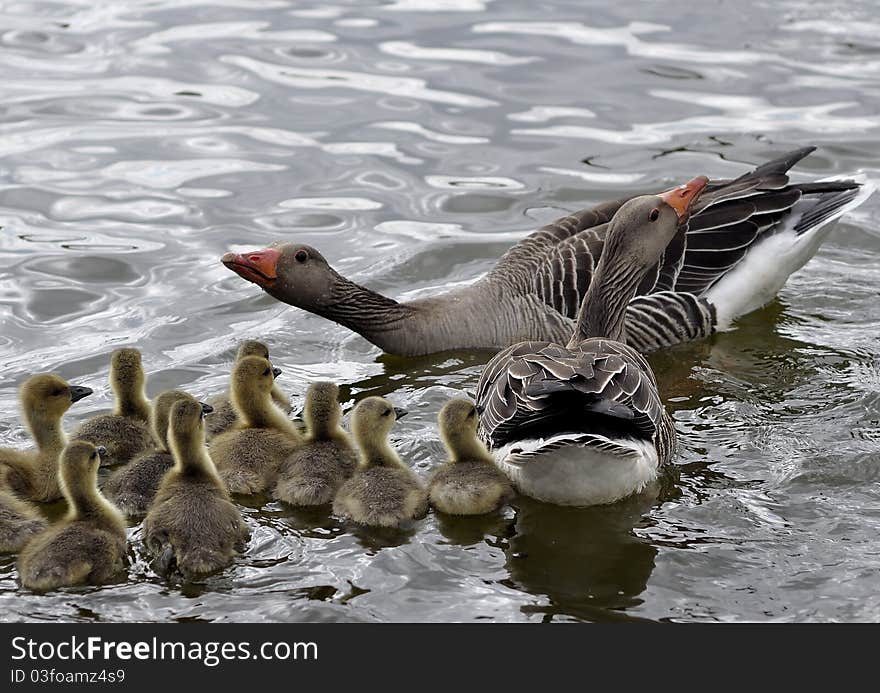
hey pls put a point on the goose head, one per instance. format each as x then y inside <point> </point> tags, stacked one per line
<point>644,226</point>
<point>251,347</point>
<point>79,468</point>
<point>291,272</point>
<point>322,410</point>
<point>126,371</point>
<point>371,422</point>
<point>48,397</point>
<point>252,379</point>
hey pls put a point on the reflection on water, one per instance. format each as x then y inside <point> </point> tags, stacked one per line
<point>412,142</point>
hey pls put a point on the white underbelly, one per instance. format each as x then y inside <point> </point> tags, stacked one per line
<point>578,474</point>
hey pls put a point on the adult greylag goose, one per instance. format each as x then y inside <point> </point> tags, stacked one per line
<point>33,474</point>
<point>224,416</point>
<point>583,424</point>
<point>313,473</point>
<point>469,483</point>
<point>125,432</point>
<point>192,525</point>
<point>746,236</point>
<point>88,545</point>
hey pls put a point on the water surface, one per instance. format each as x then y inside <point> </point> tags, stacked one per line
<point>412,142</point>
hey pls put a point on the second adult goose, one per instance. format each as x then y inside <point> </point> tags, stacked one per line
<point>583,424</point>
<point>746,236</point>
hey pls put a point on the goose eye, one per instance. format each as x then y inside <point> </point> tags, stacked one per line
<point>301,256</point>
<point>471,413</point>
<point>387,412</point>
<point>93,455</point>
<point>57,393</point>
<point>267,371</point>
<point>655,214</point>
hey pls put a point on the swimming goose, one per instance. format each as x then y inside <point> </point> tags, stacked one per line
<point>248,455</point>
<point>224,413</point>
<point>383,492</point>
<point>192,524</point>
<point>88,545</point>
<point>133,487</point>
<point>125,432</point>
<point>469,483</point>
<point>313,473</point>
<point>746,236</point>
<point>583,424</point>
<point>33,474</point>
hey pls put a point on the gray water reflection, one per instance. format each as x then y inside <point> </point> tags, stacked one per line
<point>413,142</point>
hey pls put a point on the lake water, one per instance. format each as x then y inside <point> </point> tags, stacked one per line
<point>412,142</point>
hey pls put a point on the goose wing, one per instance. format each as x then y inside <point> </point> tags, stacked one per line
<point>534,385</point>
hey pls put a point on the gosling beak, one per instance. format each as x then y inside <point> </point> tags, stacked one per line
<point>400,413</point>
<point>102,451</point>
<point>276,372</point>
<point>682,197</point>
<point>257,266</point>
<point>77,392</point>
<point>206,408</point>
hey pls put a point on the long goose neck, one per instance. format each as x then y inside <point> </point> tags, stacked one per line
<point>47,434</point>
<point>259,411</point>
<point>191,455</point>
<point>131,400</point>
<point>465,447</point>
<point>603,311</point>
<point>375,317</point>
<point>377,452</point>
<point>85,502</point>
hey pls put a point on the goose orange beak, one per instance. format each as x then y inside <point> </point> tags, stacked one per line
<point>257,266</point>
<point>682,197</point>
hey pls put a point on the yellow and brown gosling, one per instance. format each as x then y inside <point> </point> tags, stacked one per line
<point>224,416</point>
<point>192,525</point>
<point>469,483</point>
<point>248,456</point>
<point>88,545</point>
<point>133,487</point>
<point>33,474</point>
<point>126,431</point>
<point>383,492</point>
<point>313,473</point>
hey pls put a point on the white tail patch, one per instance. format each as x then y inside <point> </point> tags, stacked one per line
<point>767,266</point>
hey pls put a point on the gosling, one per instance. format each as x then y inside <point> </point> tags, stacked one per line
<point>313,473</point>
<point>383,492</point>
<point>133,487</point>
<point>33,474</point>
<point>192,523</point>
<point>86,547</point>
<point>469,483</point>
<point>126,431</point>
<point>224,416</point>
<point>248,456</point>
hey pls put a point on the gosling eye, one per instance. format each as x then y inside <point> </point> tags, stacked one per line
<point>58,392</point>
<point>93,455</point>
<point>655,214</point>
<point>267,371</point>
<point>471,413</point>
<point>301,256</point>
<point>387,412</point>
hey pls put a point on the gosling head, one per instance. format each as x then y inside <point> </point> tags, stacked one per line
<point>47,396</point>
<point>322,410</point>
<point>186,421</point>
<point>253,375</point>
<point>79,468</point>
<point>252,347</point>
<point>458,422</point>
<point>372,420</point>
<point>126,370</point>
<point>162,413</point>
